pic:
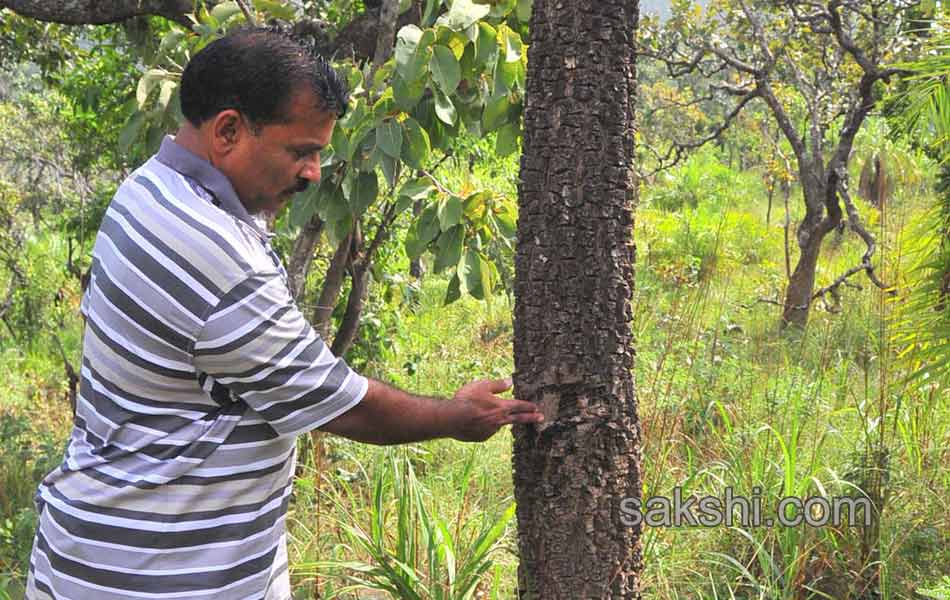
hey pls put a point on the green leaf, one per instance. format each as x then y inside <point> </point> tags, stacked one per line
<point>338,230</point>
<point>453,292</point>
<point>146,84</point>
<point>389,167</point>
<point>130,132</point>
<point>340,143</point>
<point>473,273</point>
<point>509,75</point>
<point>524,10</point>
<point>153,138</point>
<point>277,9</point>
<point>507,220</point>
<point>449,246</point>
<point>417,189</point>
<point>165,94</point>
<point>403,203</point>
<point>364,129</point>
<point>422,231</point>
<point>417,145</point>
<point>444,109</point>
<point>331,204</point>
<point>304,206</point>
<point>476,205</point>
<point>389,137</point>
<point>470,71</point>
<point>385,106</point>
<point>407,95</point>
<point>450,212</point>
<point>412,51</point>
<point>224,11</point>
<point>513,44</point>
<point>361,190</point>
<point>463,14</point>
<point>500,9</point>
<point>445,69</point>
<point>429,14</point>
<point>486,46</point>
<point>171,40</point>
<point>507,141</point>
<point>496,112</point>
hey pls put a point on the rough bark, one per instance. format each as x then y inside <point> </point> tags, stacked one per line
<point>360,38</point>
<point>574,280</point>
<point>801,283</point>
<point>349,325</point>
<point>99,12</point>
<point>301,257</point>
<point>330,292</point>
<point>388,14</point>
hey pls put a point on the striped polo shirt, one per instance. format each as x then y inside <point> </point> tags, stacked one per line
<point>198,372</point>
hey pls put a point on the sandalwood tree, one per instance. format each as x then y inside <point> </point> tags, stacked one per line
<point>574,281</point>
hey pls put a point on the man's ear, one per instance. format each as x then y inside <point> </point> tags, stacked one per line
<point>227,129</point>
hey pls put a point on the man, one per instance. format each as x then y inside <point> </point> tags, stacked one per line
<point>198,369</point>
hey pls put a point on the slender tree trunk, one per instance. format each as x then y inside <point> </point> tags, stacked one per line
<point>801,284</point>
<point>330,292</point>
<point>349,326</point>
<point>302,256</point>
<point>574,281</point>
<point>415,265</point>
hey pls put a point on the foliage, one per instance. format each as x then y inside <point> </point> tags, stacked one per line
<point>27,454</point>
<point>922,327</point>
<point>459,71</point>
<point>926,100</point>
<point>424,556</point>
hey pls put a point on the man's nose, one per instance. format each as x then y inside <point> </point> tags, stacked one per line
<point>311,170</point>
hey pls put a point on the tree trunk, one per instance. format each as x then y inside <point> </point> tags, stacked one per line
<point>801,284</point>
<point>574,281</point>
<point>330,292</point>
<point>350,324</point>
<point>818,222</point>
<point>302,256</point>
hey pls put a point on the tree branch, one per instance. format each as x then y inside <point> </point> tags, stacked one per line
<point>100,12</point>
<point>854,221</point>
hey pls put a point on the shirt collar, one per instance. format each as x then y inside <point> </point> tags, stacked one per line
<point>177,157</point>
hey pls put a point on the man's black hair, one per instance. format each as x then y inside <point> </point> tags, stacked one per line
<point>256,71</point>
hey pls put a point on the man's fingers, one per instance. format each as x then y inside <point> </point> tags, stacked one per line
<point>521,406</point>
<point>524,417</point>
<point>497,386</point>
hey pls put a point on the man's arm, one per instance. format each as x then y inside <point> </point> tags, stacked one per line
<point>387,415</point>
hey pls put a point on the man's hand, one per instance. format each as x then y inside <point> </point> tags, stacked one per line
<point>388,415</point>
<point>481,413</point>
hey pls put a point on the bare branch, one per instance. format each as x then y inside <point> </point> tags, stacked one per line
<point>678,150</point>
<point>100,12</point>
<point>248,14</point>
<point>784,122</point>
<point>854,222</point>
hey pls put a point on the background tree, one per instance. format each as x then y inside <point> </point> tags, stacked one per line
<point>574,280</point>
<point>818,67</point>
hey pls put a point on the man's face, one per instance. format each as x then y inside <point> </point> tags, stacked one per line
<point>269,167</point>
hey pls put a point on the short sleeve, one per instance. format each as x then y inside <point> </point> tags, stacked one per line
<point>256,343</point>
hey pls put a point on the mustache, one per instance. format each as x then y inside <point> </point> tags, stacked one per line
<point>301,186</point>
